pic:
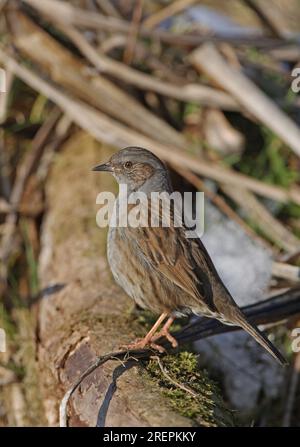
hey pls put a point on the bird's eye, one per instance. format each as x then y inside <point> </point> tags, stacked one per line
<point>128,165</point>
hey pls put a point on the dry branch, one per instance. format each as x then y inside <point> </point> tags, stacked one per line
<point>219,202</point>
<point>269,311</point>
<point>194,93</point>
<point>81,312</point>
<point>70,15</point>
<point>286,271</point>
<point>70,72</point>
<point>292,391</point>
<point>23,173</point>
<point>164,13</point>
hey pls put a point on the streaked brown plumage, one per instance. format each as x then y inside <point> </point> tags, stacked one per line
<point>159,267</point>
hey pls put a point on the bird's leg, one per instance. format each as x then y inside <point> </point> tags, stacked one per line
<point>165,333</point>
<point>141,343</point>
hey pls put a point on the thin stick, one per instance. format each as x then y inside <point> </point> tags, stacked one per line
<point>164,13</point>
<point>23,174</point>
<point>123,356</point>
<point>268,311</point>
<point>133,32</point>
<point>271,227</point>
<point>195,93</point>
<point>174,382</point>
<point>111,132</point>
<point>286,271</point>
<point>4,174</point>
<point>69,14</point>
<point>108,8</point>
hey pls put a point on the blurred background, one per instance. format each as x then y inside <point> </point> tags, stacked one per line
<point>212,88</point>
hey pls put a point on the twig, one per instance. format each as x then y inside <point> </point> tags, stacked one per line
<point>164,13</point>
<point>290,257</point>
<point>174,382</point>
<point>68,71</point>
<point>4,96</point>
<point>286,271</point>
<point>268,311</point>
<point>199,94</point>
<point>269,225</point>
<point>265,17</point>
<point>133,32</point>
<point>69,14</point>
<point>207,59</point>
<point>7,375</point>
<point>288,53</point>
<point>108,8</point>
<point>293,385</point>
<point>109,131</point>
<point>112,42</point>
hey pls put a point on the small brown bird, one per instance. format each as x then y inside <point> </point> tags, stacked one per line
<point>162,269</point>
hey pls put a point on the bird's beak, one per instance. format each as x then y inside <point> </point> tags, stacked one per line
<point>104,167</point>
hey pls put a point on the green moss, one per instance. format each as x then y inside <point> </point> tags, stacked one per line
<point>207,407</point>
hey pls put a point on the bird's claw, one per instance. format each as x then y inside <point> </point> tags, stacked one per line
<point>167,335</point>
<point>141,343</point>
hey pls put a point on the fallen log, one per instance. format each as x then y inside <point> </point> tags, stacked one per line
<point>87,315</point>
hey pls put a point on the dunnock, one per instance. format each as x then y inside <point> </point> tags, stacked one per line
<point>162,269</point>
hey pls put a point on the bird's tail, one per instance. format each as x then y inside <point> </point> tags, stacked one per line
<point>261,338</point>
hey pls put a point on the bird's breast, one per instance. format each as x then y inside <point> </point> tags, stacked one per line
<point>134,273</point>
<point>125,266</point>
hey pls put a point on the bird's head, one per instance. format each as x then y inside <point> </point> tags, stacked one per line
<point>138,168</point>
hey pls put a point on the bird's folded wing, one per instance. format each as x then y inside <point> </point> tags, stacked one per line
<point>177,258</point>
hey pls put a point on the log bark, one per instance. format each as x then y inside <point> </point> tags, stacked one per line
<point>87,315</point>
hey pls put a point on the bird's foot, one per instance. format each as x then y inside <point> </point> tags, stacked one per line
<point>166,334</point>
<point>143,343</point>
<point>139,343</point>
